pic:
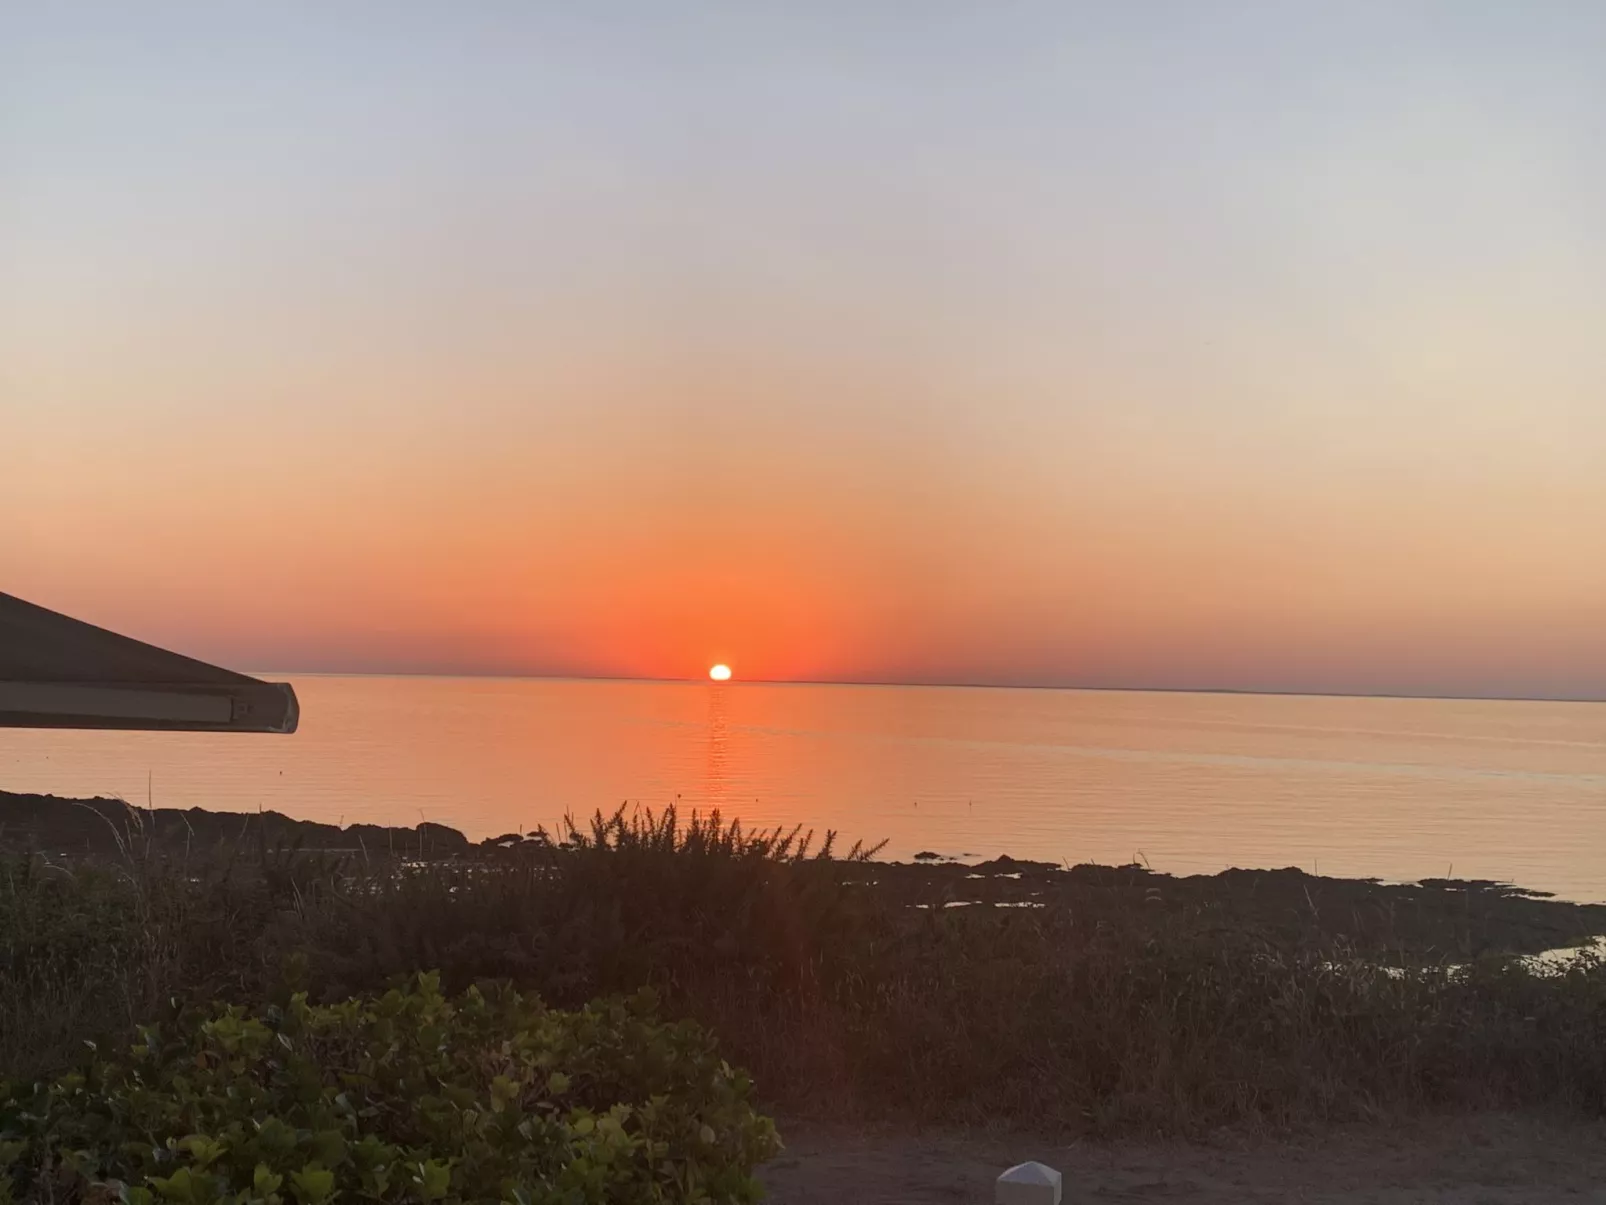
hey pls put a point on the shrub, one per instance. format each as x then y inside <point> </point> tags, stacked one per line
<point>410,1096</point>
<point>89,951</point>
<point>631,899</point>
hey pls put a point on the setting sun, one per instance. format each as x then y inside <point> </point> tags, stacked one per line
<point>720,673</point>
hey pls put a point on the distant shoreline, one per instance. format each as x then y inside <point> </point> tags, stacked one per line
<point>1406,696</point>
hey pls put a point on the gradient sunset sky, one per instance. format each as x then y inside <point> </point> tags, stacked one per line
<point>1188,344</point>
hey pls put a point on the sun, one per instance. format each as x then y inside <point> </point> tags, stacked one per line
<point>720,673</point>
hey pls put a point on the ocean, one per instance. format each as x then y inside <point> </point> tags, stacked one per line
<point>1400,789</point>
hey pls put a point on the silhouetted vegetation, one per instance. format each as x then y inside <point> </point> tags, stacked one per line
<point>1097,998</point>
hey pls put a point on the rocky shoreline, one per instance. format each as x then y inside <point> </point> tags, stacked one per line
<point>1456,920</point>
<point>103,827</point>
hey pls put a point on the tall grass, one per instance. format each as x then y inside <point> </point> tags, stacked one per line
<point>842,1000</point>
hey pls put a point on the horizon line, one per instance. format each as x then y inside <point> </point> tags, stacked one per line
<point>957,685</point>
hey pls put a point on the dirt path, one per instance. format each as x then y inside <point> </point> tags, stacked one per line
<point>1485,1160</point>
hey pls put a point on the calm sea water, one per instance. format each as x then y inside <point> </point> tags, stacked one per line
<point>1398,788</point>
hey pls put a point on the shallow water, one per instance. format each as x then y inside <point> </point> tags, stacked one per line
<point>1397,788</point>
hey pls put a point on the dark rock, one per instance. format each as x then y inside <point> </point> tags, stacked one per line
<point>103,826</point>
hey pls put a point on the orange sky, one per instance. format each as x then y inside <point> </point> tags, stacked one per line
<point>840,351</point>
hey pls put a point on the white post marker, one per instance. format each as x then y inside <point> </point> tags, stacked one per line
<point>1028,1184</point>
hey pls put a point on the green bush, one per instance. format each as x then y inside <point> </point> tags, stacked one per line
<point>410,1096</point>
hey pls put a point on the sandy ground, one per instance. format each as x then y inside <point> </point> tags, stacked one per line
<point>1485,1160</point>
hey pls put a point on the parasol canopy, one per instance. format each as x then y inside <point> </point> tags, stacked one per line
<point>59,672</point>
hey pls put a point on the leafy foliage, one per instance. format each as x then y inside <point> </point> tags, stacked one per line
<point>410,1096</point>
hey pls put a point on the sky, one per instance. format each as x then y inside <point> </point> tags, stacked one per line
<point>1226,344</point>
